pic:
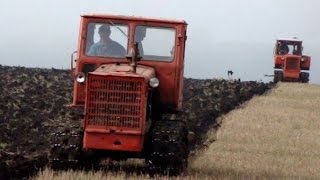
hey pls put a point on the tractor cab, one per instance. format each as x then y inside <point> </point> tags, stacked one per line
<point>109,41</point>
<point>289,47</point>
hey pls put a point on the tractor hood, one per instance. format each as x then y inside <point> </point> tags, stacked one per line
<point>125,70</point>
<point>292,56</point>
<point>285,56</point>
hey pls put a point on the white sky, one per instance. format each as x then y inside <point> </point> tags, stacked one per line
<point>223,35</point>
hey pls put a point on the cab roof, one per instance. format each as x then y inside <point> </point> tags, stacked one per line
<point>135,18</point>
<point>289,39</point>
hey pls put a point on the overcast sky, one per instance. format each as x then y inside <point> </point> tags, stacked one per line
<point>223,35</point>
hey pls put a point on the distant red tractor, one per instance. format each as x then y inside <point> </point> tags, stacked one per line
<point>289,62</point>
<point>129,83</point>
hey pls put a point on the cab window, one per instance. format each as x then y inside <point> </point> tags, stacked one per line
<point>107,40</point>
<point>155,43</point>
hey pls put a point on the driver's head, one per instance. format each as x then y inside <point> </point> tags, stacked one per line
<point>140,33</point>
<point>104,31</point>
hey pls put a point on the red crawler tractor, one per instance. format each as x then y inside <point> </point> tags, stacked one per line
<point>292,63</point>
<point>129,83</point>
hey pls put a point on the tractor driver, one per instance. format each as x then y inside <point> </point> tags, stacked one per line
<point>106,46</point>
<point>139,35</point>
<point>283,48</point>
<point>296,50</point>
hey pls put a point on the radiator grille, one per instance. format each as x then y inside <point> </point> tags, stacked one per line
<point>115,101</point>
<point>293,64</point>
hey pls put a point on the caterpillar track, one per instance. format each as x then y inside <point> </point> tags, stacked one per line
<point>168,153</point>
<point>66,150</point>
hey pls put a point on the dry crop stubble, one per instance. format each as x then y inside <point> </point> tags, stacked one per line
<point>273,136</point>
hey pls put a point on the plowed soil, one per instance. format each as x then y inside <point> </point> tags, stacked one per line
<point>33,105</point>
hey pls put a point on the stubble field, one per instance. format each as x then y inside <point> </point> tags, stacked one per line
<point>273,136</point>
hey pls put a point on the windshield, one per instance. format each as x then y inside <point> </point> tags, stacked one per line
<point>107,40</point>
<point>284,47</point>
<point>155,43</point>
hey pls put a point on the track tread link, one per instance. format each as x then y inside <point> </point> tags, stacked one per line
<point>66,150</point>
<point>168,147</point>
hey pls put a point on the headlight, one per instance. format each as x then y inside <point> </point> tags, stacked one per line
<point>81,77</point>
<point>154,82</point>
<point>303,59</point>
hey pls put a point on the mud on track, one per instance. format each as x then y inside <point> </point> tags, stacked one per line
<point>32,107</point>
